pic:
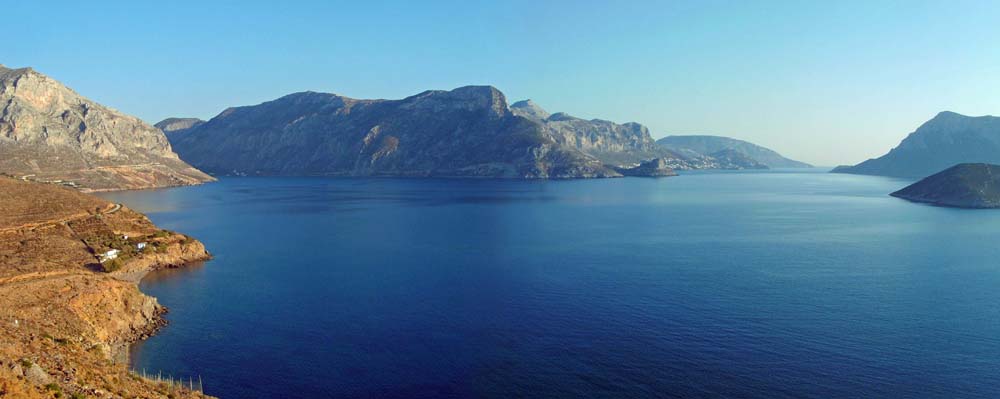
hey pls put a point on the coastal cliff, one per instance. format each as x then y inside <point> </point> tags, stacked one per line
<point>66,316</point>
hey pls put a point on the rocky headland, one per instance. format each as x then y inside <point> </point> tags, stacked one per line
<point>69,300</point>
<point>961,186</point>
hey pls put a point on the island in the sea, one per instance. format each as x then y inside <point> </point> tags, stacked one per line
<point>69,301</point>
<point>967,185</point>
<point>466,132</point>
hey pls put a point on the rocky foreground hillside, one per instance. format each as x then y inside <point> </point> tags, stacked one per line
<point>66,317</point>
<point>961,186</point>
<point>942,142</point>
<point>50,133</point>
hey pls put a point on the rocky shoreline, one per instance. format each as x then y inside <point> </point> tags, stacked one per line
<point>70,304</point>
<point>136,271</point>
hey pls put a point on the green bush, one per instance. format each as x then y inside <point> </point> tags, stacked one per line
<point>112,265</point>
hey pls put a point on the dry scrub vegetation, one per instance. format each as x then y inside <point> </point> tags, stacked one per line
<point>66,319</point>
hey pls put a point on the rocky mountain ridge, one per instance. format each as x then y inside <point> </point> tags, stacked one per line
<point>612,143</point>
<point>50,133</point>
<point>466,132</point>
<point>944,141</point>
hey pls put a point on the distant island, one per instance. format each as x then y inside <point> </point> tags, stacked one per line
<point>946,140</point>
<point>49,133</point>
<point>968,185</point>
<point>466,132</point>
<point>732,151</point>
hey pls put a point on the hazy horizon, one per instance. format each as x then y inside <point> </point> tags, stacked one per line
<point>827,84</point>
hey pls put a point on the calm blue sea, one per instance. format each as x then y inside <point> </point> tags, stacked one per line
<point>742,285</point>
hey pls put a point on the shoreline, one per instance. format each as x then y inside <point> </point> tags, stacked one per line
<point>122,353</point>
<point>70,304</point>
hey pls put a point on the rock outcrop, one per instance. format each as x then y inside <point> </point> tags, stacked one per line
<point>50,133</point>
<point>961,186</point>
<point>730,153</point>
<point>946,140</point>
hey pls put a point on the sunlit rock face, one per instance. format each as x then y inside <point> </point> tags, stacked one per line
<point>48,132</point>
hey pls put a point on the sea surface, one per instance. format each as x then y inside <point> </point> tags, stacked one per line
<point>742,285</point>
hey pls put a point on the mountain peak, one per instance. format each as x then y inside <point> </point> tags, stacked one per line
<point>944,141</point>
<point>530,110</point>
<point>948,115</point>
<point>55,134</point>
<point>6,72</point>
<point>467,98</point>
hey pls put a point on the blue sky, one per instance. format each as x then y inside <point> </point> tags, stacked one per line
<point>824,82</point>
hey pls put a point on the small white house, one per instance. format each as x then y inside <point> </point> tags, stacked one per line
<point>111,254</point>
<point>140,246</point>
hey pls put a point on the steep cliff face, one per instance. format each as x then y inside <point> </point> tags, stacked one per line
<point>49,132</point>
<point>944,141</point>
<point>612,143</point>
<point>468,131</point>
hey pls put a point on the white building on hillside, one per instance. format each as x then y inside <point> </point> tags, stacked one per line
<point>111,254</point>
